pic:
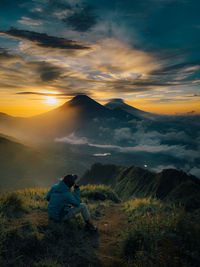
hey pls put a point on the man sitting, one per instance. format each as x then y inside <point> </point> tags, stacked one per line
<point>63,205</point>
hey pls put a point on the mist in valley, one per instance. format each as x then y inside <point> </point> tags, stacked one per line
<point>37,151</point>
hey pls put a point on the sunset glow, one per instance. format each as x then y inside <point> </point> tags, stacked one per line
<point>51,100</point>
<point>46,59</point>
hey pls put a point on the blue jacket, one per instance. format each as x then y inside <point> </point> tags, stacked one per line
<point>61,199</point>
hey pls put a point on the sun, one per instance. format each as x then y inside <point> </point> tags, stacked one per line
<point>51,100</point>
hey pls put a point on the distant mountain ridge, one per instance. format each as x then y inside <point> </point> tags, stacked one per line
<point>170,184</point>
<point>117,103</point>
<point>72,116</point>
<point>116,132</point>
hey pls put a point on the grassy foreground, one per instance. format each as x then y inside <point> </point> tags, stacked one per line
<point>156,233</point>
<point>160,234</point>
<point>28,238</point>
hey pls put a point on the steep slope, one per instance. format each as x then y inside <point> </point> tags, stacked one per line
<point>136,182</point>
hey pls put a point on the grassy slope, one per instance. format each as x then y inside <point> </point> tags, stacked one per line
<point>139,232</point>
<point>170,184</point>
<point>161,234</point>
<point>28,238</point>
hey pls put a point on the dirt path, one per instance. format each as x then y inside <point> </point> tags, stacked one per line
<point>110,226</point>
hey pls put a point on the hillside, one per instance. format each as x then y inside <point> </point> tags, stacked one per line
<point>140,232</point>
<point>22,166</point>
<point>170,184</point>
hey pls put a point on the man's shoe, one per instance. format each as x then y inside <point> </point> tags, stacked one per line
<point>91,227</point>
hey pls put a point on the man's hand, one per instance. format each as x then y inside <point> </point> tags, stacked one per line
<point>76,186</point>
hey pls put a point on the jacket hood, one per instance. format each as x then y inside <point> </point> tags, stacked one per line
<point>61,187</point>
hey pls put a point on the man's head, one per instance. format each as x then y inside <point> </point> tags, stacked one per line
<point>70,179</point>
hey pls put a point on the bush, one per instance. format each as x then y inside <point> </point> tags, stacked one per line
<point>12,205</point>
<point>99,192</point>
<point>20,243</point>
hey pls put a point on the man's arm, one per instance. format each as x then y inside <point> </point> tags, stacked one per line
<point>75,199</point>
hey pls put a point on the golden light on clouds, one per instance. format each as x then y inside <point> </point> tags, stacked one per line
<point>44,77</point>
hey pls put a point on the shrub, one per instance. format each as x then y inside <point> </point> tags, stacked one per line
<point>35,198</point>
<point>99,192</point>
<point>12,205</point>
<point>20,242</point>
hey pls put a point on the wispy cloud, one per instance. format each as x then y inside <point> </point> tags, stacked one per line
<point>149,143</point>
<point>102,154</point>
<point>30,22</point>
<point>73,139</point>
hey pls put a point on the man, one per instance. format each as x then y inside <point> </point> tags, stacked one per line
<point>63,205</point>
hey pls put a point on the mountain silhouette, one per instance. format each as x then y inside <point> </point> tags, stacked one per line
<point>119,103</point>
<point>128,135</point>
<point>77,115</point>
<point>87,107</point>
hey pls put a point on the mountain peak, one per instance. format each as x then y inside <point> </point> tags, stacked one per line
<point>81,98</point>
<point>117,101</point>
<point>86,105</point>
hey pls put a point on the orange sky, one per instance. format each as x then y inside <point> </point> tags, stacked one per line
<point>28,106</point>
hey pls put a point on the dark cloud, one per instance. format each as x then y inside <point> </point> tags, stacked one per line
<point>58,5</point>
<point>165,100</point>
<point>195,95</point>
<point>5,55</point>
<point>44,40</point>
<point>135,85</point>
<point>47,71</point>
<point>82,19</point>
<point>60,95</point>
<point>80,16</point>
<point>4,4</point>
<point>44,94</point>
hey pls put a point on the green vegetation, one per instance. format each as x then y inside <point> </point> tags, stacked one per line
<point>29,238</point>
<point>100,192</point>
<point>102,174</point>
<point>170,184</point>
<point>160,234</point>
<point>159,226</point>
